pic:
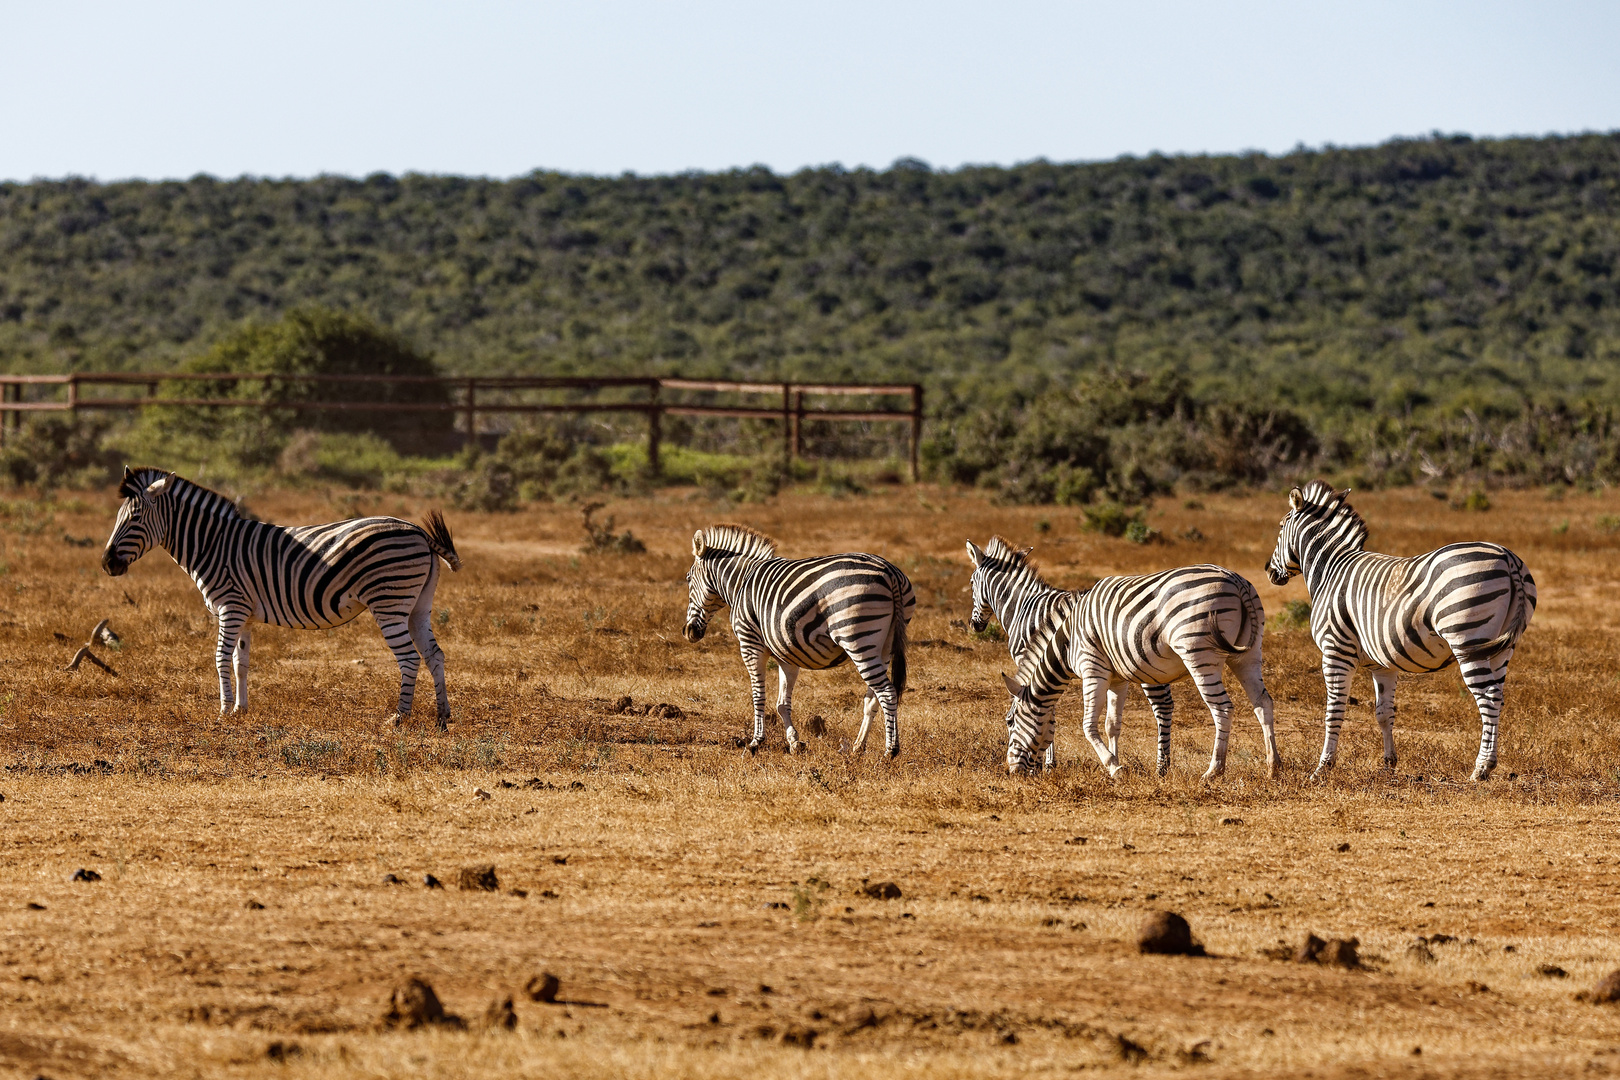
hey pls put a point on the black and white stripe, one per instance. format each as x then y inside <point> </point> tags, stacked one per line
<point>1007,586</point>
<point>1152,630</point>
<point>807,613</point>
<point>309,577</point>
<point>1469,603</point>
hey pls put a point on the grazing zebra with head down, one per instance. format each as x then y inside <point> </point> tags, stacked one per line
<point>1465,602</point>
<point>1152,629</point>
<point>1007,586</point>
<point>807,613</point>
<point>310,577</point>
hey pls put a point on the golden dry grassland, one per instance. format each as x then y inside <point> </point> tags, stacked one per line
<point>703,908</point>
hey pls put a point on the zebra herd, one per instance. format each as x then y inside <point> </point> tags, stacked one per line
<point>1467,603</point>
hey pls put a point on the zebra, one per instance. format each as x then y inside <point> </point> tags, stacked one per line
<point>311,577</point>
<point>1150,629</point>
<point>807,613</point>
<point>1006,585</point>
<point>1469,603</point>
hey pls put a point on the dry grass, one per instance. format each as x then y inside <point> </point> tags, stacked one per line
<point>682,877</point>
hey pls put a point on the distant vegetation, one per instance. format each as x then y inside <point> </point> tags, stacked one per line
<point>1426,309</point>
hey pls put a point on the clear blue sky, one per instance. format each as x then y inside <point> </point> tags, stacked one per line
<point>296,88</point>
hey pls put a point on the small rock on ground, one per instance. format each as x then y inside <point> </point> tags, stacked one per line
<point>1605,992</point>
<point>1334,952</point>
<point>500,1016</point>
<point>543,987</point>
<point>881,890</point>
<point>1165,933</point>
<point>478,878</point>
<point>82,874</point>
<point>413,1004</point>
<point>1419,953</point>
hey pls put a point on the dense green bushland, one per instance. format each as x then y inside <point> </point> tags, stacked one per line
<point>1421,310</point>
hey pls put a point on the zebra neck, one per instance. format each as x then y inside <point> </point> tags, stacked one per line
<point>1321,554</point>
<point>191,537</point>
<point>726,577</point>
<point>1009,595</point>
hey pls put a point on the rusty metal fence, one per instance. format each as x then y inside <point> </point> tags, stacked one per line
<point>470,397</point>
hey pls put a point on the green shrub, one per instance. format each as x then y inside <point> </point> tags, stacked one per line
<point>56,451</point>
<point>1110,519</point>
<point>1295,615</point>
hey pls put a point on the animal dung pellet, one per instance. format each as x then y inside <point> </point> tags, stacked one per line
<point>1164,933</point>
<point>82,874</point>
<point>543,987</point>
<point>478,879</point>
<point>253,905</point>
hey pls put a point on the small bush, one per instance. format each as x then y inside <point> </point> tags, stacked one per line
<point>1476,501</point>
<point>58,451</point>
<point>1295,615</point>
<point>1140,532</point>
<point>1110,519</point>
<point>600,538</point>
<point>1608,523</point>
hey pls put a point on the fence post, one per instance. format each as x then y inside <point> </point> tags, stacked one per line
<point>798,424</point>
<point>916,428</point>
<point>787,426</point>
<point>655,433</point>
<point>73,395</point>
<point>472,412</point>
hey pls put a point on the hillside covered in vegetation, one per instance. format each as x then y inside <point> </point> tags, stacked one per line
<point>1442,286</point>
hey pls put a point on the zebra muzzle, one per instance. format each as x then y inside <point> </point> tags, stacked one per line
<point>694,631</point>
<point>114,566</point>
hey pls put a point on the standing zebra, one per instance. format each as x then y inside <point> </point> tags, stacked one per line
<point>1007,586</point>
<point>311,577</point>
<point>807,613</point>
<point>1152,629</point>
<point>1465,602</point>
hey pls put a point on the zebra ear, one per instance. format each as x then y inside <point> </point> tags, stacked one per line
<point>1296,499</point>
<point>1014,687</point>
<point>1025,551</point>
<point>975,554</point>
<point>128,487</point>
<point>698,546</point>
<point>158,486</point>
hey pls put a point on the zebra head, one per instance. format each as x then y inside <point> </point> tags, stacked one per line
<point>141,524</point>
<point>1312,509</point>
<point>1026,716</point>
<point>992,566</point>
<point>703,600</point>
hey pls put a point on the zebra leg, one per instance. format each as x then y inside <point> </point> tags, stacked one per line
<point>1384,709</point>
<point>396,632</point>
<point>231,624</point>
<point>784,704</point>
<point>756,687</point>
<point>874,671</point>
<point>1246,666</point>
<point>1094,687</point>
<point>239,668</point>
<point>869,710</point>
<point>420,625</point>
<point>1485,678</point>
<point>1205,669</point>
<point>1336,676</point>
<point>1114,719</point>
<point>1051,747</point>
<point>1163,706</point>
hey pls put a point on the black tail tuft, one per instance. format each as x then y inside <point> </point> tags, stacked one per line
<point>438,538</point>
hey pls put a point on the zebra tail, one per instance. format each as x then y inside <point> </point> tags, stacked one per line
<point>1247,617</point>
<point>438,538</point>
<point>897,662</point>
<point>1517,623</point>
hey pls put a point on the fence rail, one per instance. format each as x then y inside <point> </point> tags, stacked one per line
<point>792,410</point>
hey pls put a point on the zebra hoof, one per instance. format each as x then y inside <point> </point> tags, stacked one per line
<point>1114,771</point>
<point>1483,772</point>
<point>752,748</point>
<point>892,753</point>
<point>1164,767</point>
<point>394,721</point>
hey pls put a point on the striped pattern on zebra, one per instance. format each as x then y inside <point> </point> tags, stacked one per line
<point>807,613</point>
<point>1150,629</point>
<point>1469,603</point>
<point>309,577</point>
<point>1007,586</point>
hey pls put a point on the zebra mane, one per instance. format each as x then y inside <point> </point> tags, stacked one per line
<point>209,501</point>
<point>1322,503</point>
<point>740,540</point>
<point>1014,560</point>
